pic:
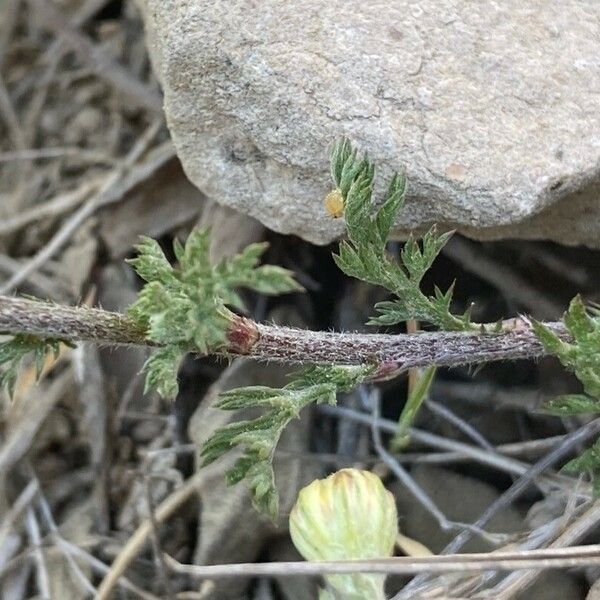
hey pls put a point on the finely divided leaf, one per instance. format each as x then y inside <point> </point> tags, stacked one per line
<point>588,461</point>
<point>258,438</point>
<point>161,371</point>
<point>151,263</point>
<point>364,255</point>
<point>344,378</point>
<point>392,205</point>
<point>16,349</point>
<point>582,357</point>
<point>184,308</point>
<point>573,404</point>
<point>551,342</point>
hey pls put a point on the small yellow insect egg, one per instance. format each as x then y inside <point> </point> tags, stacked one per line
<point>334,203</point>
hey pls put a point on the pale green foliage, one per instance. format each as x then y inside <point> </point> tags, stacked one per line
<point>364,255</point>
<point>258,438</point>
<point>572,404</point>
<point>413,404</point>
<point>587,462</point>
<point>582,357</point>
<point>185,308</point>
<point>161,371</point>
<point>16,349</point>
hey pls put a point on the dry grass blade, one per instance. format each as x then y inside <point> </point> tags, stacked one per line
<point>33,530</point>
<point>111,190</point>
<point>16,510</point>
<point>139,538</point>
<point>52,208</point>
<point>92,156</point>
<point>549,558</point>
<point>22,433</point>
<point>43,285</point>
<point>10,118</point>
<point>135,91</point>
<point>510,495</point>
<point>8,17</point>
<point>407,481</point>
<point>479,455</point>
<point>158,554</point>
<point>81,577</point>
<point>102,569</point>
<point>514,584</point>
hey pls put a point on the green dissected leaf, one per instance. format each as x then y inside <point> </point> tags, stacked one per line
<point>582,357</point>
<point>551,342</point>
<point>151,263</point>
<point>161,371</point>
<point>242,271</point>
<point>271,279</point>
<point>589,460</point>
<point>387,213</point>
<point>258,437</point>
<point>185,308</point>
<point>194,256</point>
<point>344,378</point>
<point>16,349</point>
<point>364,255</point>
<point>573,404</point>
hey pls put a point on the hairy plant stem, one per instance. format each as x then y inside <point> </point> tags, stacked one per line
<point>390,353</point>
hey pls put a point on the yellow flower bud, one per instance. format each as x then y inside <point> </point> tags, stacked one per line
<point>348,515</point>
<point>334,203</point>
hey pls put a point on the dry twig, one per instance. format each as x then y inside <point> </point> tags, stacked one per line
<point>58,205</point>
<point>33,529</point>
<point>550,558</point>
<point>137,92</point>
<point>139,538</point>
<point>111,190</point>
<point>510,495</point>
<point>411,485</point>
<point>515,583</point>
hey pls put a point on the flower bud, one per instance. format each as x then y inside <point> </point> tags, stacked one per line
<point>348,515</point>
<point>334,203</point>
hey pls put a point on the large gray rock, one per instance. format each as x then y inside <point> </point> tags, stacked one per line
<point>493,109</point>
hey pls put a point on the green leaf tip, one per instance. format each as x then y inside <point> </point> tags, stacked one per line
<point>187,307</point>
<point>413,404</point>
<point>161,371</point>
<point>582,354</point>
<point>587,462</point>
<point>572,404</point>
<point>258,438</point>
<point>364,255</point>
<point>14,350</point>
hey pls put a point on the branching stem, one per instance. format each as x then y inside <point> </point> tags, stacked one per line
<point>390,353</point>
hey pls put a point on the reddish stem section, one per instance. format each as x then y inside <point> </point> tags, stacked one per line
<point>242,335</point>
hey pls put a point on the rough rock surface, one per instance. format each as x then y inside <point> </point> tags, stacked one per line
<point>492,109</point>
